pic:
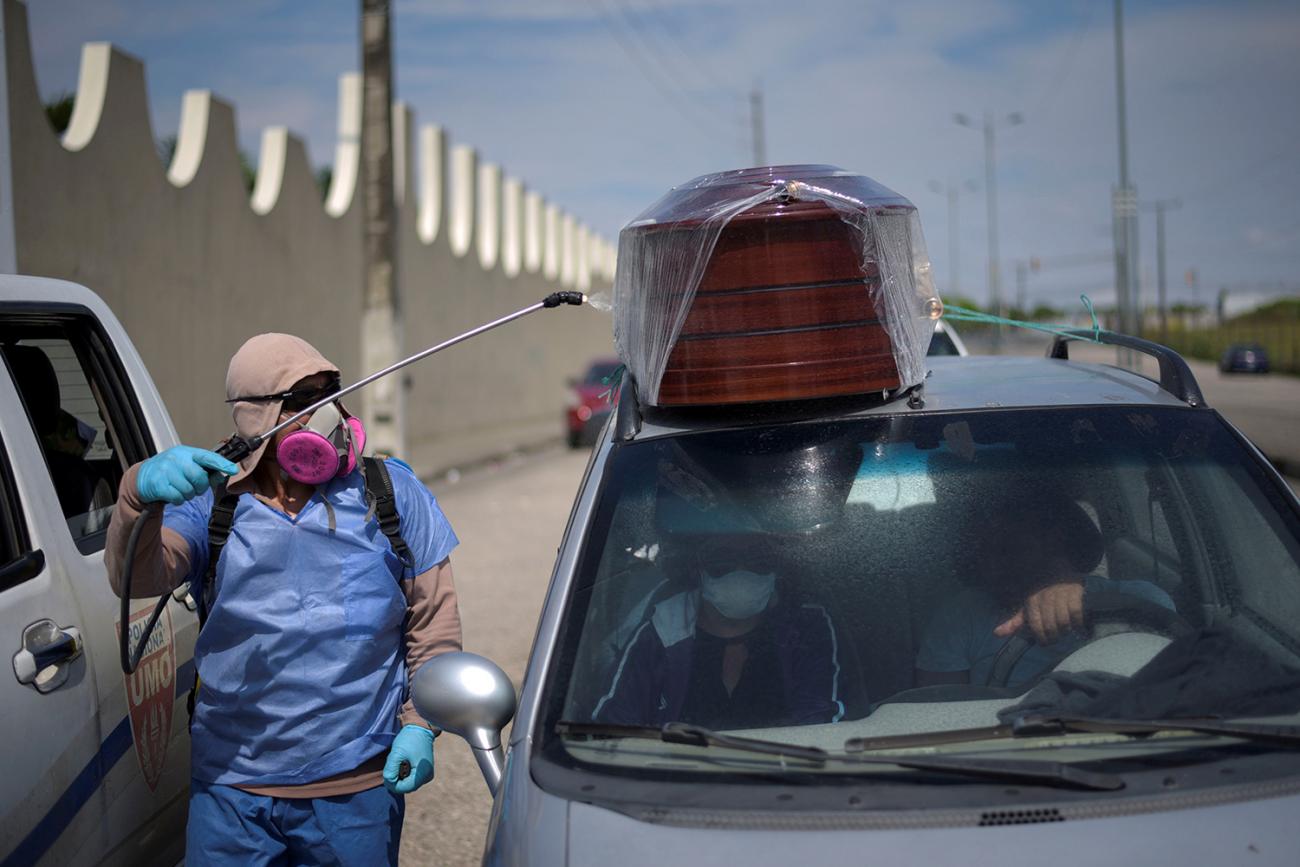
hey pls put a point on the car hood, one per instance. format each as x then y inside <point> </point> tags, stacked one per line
<point>1257,830</point>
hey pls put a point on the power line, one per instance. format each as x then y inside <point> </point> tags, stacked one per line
<point>703,87</point>
<point>647,67</point>
<point>728,94</point>
<point>646,37</point>
<point>680,41</point>
<point>676,38</point>
<point>1257,167</point>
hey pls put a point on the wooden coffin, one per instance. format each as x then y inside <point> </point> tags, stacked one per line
<point>788,308</point>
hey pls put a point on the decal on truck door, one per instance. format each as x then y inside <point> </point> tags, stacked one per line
<point>151,693</point>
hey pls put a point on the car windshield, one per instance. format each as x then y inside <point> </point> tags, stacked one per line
<point>883,578</point>
<point>941,344</point>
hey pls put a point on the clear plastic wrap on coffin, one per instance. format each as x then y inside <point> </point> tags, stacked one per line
<point>770,284</point>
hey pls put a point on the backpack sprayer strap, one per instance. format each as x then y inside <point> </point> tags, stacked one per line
<point>379,491</point>
<point>219,523</point>
<point>223,516</point>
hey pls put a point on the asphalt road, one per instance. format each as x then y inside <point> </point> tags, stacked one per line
<point>510,517</point>
<point>1266,408</point>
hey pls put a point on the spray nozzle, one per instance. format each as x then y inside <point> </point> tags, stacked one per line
<point>555,299</point>
<point>237,448</point>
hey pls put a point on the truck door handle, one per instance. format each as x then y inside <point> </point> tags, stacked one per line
<point>47,649</point>
<point>19,570</point>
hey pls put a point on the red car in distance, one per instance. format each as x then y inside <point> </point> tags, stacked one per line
<point>590,401</point>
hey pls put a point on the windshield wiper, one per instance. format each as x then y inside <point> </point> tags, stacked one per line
<point>1004,770</point>
<point>693,735</point>
<point>1037,725</point>
<point>1040,725</point>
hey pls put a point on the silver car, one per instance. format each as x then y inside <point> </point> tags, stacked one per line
<point>946,341</point>
<point>900,693</point>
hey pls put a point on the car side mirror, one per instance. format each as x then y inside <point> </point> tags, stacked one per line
<point>468,695</point>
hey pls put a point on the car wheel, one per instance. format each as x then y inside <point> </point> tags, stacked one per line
<point>574,439</point>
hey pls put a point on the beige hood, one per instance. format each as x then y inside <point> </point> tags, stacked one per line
<point>266,364</point>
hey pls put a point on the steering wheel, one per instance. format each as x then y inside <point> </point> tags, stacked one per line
<point>1102,606</point>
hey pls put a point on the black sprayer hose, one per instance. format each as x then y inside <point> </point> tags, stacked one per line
<point>235,449</point>
<point>131,661</point>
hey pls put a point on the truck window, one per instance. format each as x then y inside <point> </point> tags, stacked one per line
<point>14,544</point>
<point>82,412</point>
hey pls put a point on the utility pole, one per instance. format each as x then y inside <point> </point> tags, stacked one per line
<point>1193,280</point>
<point>952,191</point>
<point>991,200</point>
<point>1160,207</point>
<point>1022,287</point>
<point>1025,267</point>
<point>1124,202</point>
<point>756,125</point>
<point>381,338</point>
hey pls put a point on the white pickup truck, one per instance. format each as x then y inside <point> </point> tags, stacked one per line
<point>96,764</point>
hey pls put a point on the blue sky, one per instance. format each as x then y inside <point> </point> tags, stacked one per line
<point>603,104</point>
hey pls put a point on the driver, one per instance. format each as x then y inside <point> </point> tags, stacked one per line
<point>1033,574</point>
<point>733,651</point>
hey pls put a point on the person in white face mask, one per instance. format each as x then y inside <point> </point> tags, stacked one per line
<point>732,652</point>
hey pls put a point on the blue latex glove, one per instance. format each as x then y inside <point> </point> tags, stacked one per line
<point>414,745</point>
<point>179,474</point>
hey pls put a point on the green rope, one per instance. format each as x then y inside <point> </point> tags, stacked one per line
<point>614,380</point>
<point>962,314</point>
<point>950,311</point>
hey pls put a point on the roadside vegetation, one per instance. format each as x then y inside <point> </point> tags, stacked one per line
<point>1275,326</point>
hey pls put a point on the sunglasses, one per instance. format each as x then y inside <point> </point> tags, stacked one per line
<point>295,400</point>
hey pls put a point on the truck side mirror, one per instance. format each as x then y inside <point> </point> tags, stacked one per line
<point>468,695</point>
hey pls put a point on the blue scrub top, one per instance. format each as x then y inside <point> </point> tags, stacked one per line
<point>960,636</point>
<point>302,659</point>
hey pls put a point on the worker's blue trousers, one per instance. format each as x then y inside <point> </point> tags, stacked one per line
<point>229,826</point>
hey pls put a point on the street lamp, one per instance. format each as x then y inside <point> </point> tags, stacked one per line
<point>1124,207</point>
<point>991,124</point>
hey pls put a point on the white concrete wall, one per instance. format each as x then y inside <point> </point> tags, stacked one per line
<point>193,265</point>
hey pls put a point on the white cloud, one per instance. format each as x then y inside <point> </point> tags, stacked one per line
<point>547,88</point>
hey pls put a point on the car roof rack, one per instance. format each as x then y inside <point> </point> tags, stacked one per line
<point>1175,376</point>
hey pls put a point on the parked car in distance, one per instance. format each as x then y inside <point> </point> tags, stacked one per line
<point>590,397</point>
<point>1244,358</point>
<point>946,341</point>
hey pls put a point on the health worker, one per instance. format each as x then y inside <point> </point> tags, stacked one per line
<point>303,738</point>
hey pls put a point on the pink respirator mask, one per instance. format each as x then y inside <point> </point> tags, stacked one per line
<point>327,447</point>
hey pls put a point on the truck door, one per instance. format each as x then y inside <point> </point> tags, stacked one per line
<point>47,707</point>
<point>115,792</point>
